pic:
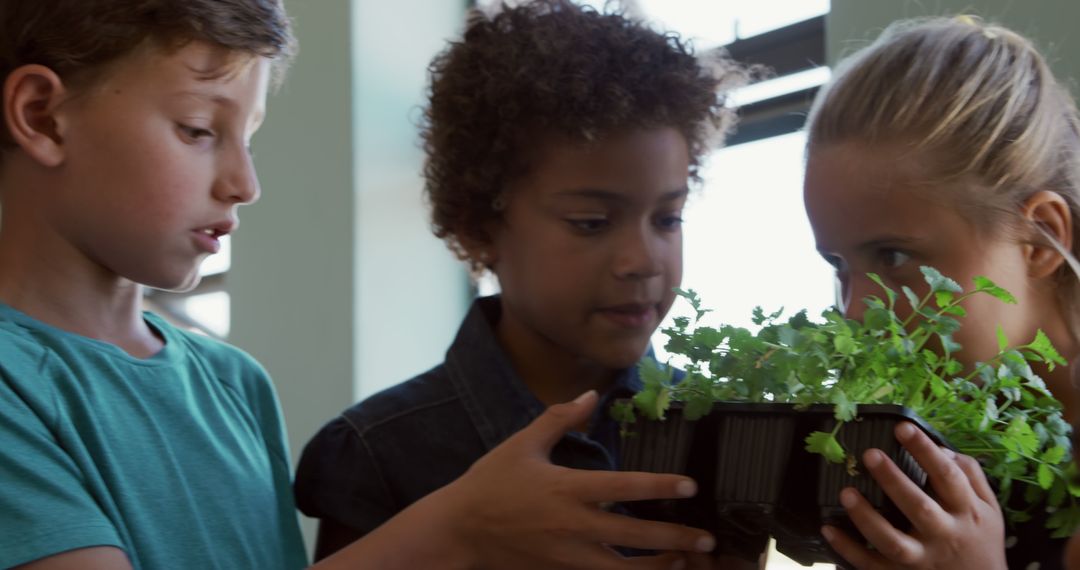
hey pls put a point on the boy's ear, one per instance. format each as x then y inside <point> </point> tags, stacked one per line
<point>32,94</point>
<point>1049,213</point>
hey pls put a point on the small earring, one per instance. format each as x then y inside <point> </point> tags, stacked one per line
<point>499,203</point>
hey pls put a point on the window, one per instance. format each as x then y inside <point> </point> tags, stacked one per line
<point>746,238</point>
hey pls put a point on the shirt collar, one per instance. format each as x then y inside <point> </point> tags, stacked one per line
<point>493,394</point>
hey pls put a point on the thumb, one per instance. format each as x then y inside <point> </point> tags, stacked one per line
<point>549,427</point>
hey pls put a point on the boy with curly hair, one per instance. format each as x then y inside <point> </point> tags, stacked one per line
<point>560,145</point>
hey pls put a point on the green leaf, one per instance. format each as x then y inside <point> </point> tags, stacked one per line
<point>1019,517</point>
<point>758,315</point>
<point>845,409</point>
<point>697,408</point>
<point>1003,341</point>
<point>949,345</point>
<point>1064,522</point>
<point>1058,491</point>
<point>985,285</point>
<point>943,298</point>
<point>1045,348</point>
<point>653,401</point>
<point>946,325</point>
<point>889,293</point>
<point>623,412</point>
<point>1074,488</point>
<point>939,282</point>
<point>652,373</point>
<point>1054,455</point>
<point>1046,476</point>
<point>911,296</point>
<point>955,310</point>
<point>881,392</point>
<point>1020,437</point>
<point>825,444</point>
<point>845,345</point>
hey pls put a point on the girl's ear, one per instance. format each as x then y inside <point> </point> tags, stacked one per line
<point>32,94</point>
<point>1049,213</point>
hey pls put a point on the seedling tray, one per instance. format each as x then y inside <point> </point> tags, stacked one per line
<point>756,478</point>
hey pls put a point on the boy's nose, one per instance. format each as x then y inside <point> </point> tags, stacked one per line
<point>639,256</point>
<point>238,182</point>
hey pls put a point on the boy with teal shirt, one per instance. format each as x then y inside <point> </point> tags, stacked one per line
<point>128,443</point>
<point>197,420</point>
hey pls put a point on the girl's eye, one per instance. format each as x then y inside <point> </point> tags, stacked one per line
<point>588,225</point>
<point>196,133</point>
<point>893,258</point>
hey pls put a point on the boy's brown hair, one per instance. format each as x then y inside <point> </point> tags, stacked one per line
<point>553,67</point>
<point>77,39</point>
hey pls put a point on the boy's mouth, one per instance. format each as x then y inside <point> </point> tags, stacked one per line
<point>630,315</point>
<point>208,238</point>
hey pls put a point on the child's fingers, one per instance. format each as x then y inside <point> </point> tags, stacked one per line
<point>919,508</point>
<point>975,474</point>
<point>856,554</point>
<point>619,486</point>
<point>887,539</point>
<point>540,436</point>
<point>951,484</point>
<point>619,530</point>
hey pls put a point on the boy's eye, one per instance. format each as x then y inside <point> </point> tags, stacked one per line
<point>893,258</point>
<point>588,225</point>
<point>670,221</point>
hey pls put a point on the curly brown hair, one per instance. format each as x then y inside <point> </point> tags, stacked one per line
<point>78,38</point>
<point>553,67</point>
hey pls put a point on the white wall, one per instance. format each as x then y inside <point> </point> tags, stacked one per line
<point>338,287</point>
<point>412,293</point>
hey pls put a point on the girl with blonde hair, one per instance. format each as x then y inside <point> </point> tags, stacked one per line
<point>949,143</point>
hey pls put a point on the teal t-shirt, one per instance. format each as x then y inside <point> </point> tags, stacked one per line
<point>180,459</point>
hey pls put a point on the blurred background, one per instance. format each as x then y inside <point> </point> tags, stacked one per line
<point>335,282</point>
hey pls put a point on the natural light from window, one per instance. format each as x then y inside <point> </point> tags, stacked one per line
<point>711,23</point>
<point>746,238</point>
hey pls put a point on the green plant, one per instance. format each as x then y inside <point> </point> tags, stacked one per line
<point>999,411</point>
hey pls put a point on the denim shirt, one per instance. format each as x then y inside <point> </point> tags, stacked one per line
<point>390,450</point>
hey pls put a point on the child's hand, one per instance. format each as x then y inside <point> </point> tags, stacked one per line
<point>515,509</point>
<point>964,528</point>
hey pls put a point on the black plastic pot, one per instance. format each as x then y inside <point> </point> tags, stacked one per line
<point>757,480</point>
